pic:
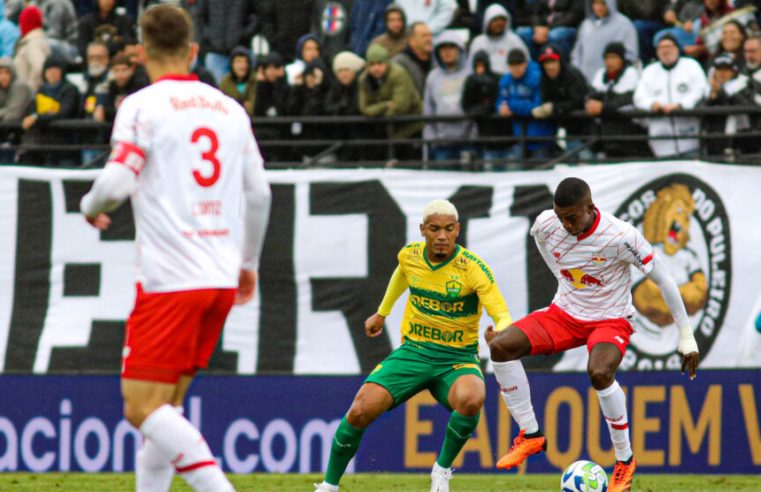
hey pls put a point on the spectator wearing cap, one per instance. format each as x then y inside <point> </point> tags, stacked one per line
<point>9,33</point>
<point>343,99</point>
<point>417,57</point>
<point>612,93</point>
<point>564,91</point>
<point>436,14</point>
<point>104,16</point>
<point>386,89</point>
<point>56,99</point>
<point>725,86</point>
<point>519,95</point>
<point>672,83</point>
<point>32,49</point>
<point>443,97</point>
<point>497,39</point>
<point>555,22</point>
<point>688,17</point>
<point>479,99</point>
<point>603,25</point>
<point>395,37</point>
<point>240,83</point>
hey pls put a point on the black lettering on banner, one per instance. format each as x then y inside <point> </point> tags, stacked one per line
<point>472,202</point>
<point>34,240</point>
<point>529,202</point>
<point>277,287</point>
<point>357,298</point>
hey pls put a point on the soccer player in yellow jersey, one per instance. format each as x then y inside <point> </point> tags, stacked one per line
<point>448,286</point>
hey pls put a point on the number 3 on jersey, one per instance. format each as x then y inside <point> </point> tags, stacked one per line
<point>209,156</point>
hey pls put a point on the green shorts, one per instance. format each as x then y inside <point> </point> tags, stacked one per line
<point>414,367</point>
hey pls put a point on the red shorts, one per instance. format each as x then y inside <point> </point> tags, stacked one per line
<point>171,334</point>
<point>552,330</point>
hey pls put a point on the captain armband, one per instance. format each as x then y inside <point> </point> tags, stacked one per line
<point>129,155</point>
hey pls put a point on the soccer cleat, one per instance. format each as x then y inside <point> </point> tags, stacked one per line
<point>440,480</point>
<point>325,487</point>
<point>623,475</point>
<point>522,448</point>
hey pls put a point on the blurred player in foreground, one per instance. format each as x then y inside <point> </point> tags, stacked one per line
<point>439,352</point>
<point>590,252</point>
<point>186,155</point>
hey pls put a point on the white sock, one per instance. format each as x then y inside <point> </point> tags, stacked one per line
<point>613,405</point>
<point>514,388</point>
<point>181,443</point>
<point>153,472</point>
<point>327,486</point>
<point>437,468</point>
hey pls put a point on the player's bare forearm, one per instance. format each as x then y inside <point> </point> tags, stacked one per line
<point>374,325</point>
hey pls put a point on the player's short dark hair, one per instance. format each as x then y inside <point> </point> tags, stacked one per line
<point>167,32</point>
<point>571,191</point>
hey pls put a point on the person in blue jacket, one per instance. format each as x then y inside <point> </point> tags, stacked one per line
<point>519,93</point>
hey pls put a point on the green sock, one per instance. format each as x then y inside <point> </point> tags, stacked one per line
<point>345,445</point>
<point>459,430</point>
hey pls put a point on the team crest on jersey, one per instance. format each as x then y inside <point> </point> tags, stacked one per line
<point>453,288</point>
<point>686,222</point>
<point>333,18</point>
<point>579,279</point>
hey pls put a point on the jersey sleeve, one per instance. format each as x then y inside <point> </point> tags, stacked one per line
<point>131,136</point>
<point>487,289</point>
<point>635,250</point>
<point>540,235</point>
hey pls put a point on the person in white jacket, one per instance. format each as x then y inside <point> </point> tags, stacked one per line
<point>498,39</point>
<point>670,84</point>
<point>437,14</point>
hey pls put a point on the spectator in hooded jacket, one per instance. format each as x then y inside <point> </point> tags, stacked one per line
<point>672,83</point>
<point>520,93</point>
<point>443,97</point>
<point>436,14</point>
<point>307,49</point>
<point>366,22</point>
<point>498,38</point>
<point>604,25</point>
<point>555,22</point>
<point>612,91</point>
<point>56,99</point>
<point>272,99</point>
<point>222,25</point>
<point>240,83</point>
<point>32,49</point>
<point>479,99</point>
<point>343,100</point>
<point>564,90</point>
<point>395,37</point>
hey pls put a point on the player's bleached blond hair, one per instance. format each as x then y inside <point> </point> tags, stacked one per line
<point>439,207</point>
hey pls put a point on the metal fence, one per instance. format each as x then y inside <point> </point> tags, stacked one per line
<point>359,141</point>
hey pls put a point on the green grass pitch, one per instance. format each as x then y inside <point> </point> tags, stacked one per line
<point>365,482</point>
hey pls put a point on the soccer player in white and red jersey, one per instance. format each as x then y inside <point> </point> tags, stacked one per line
<point>185,154</point>
<point>591,254</point>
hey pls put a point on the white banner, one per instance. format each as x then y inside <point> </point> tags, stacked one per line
<point>65,288</point>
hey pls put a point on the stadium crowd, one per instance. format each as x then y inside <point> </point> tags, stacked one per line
<point>537,63</point>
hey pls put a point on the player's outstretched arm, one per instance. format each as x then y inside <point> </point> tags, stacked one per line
<point>688,347</point>
<point>396,287</point>
<point>114,184</point>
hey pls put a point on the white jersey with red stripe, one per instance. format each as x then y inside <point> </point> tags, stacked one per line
<point>190,147</point>
<point>594,268</point>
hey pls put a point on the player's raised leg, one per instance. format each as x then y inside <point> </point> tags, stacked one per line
<point>604,359</point>
<point>507,347</point>
<point>466,398</point>
<point>369,403</point>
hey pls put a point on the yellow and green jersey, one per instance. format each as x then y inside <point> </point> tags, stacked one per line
<point>446,299</point>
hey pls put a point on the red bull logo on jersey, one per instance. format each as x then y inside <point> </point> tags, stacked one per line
<point>579,279</point>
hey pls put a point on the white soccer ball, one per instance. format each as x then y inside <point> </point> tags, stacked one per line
<point>584,476</point>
